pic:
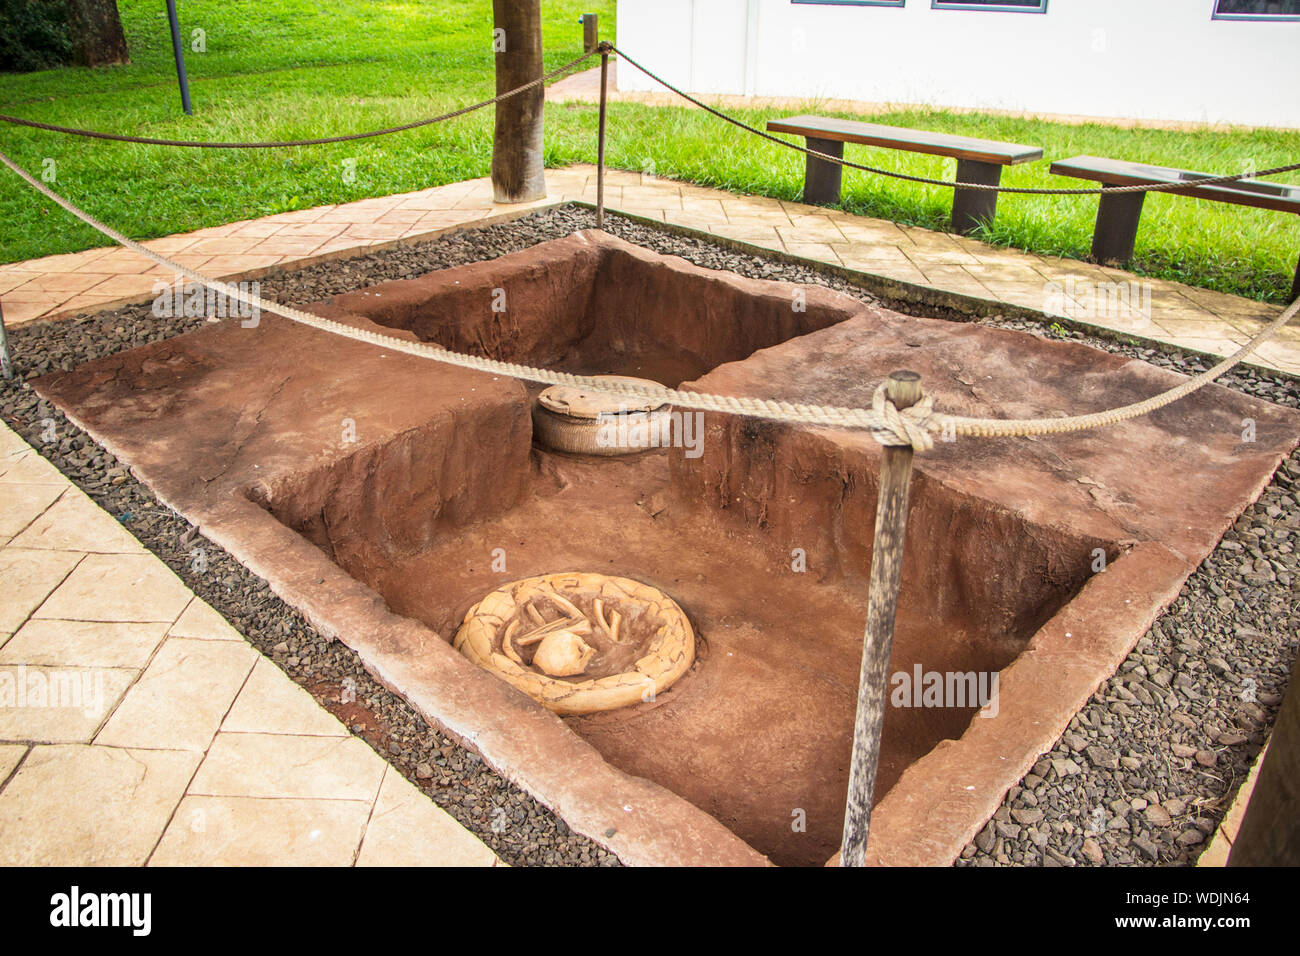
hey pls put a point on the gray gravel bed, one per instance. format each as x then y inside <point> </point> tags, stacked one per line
<point>1142,776</point>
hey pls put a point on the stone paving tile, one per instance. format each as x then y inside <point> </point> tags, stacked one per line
<point>285,765</point>
<point>811,229</point>
<point>284,246</point>
<point>271,703</point>
<point>756,234</point>
<point>30,468</point>
<point>201,622</point>
<point>128,286</point>
<point>79,805</point>
<point>27,578</point>
<point>75,523</point>
<point>58,705</point>
<point>118,587</point>
<point>248,831</point>
<point>24,503</point>
<point>242,264</point>
<point>11,446</point>
<point>820,251</point>
<point>407,829</point>
<point>182,697</point>
<point>83,643</point>
<point>1276,354</point>
<point>10,756</point>
<point>902,271</point>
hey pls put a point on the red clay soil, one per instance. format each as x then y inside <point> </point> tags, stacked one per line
<point>228,424</point>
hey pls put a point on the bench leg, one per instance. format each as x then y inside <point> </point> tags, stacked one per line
<point>1117,227</point>
<point>970,207</point>
<point>821,180</point>
<point>1295,283</point>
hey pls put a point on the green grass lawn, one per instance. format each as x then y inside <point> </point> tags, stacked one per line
<point>284,69</point>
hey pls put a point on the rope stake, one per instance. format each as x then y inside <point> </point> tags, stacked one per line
<point>600,137</point>
<point>902,392</point>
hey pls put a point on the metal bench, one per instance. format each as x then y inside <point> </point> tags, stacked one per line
<point>1118,215</point>
<point>978,160</point>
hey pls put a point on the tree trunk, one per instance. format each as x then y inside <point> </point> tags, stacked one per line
<point>518,173</point>
<point>96,31</point>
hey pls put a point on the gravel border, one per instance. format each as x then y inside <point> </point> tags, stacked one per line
<point>1143,775</point>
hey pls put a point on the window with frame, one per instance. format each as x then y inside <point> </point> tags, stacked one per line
<point>1005,6</point>
<point>1257,9</point>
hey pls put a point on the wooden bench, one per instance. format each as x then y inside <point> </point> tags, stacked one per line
<point>978,160</point>
<point>1118,215</point>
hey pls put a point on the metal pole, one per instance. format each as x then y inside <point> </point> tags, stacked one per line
<point>179,53</point>
<point>904,390</point>
<point>6,363</point>
<point>600,142</point>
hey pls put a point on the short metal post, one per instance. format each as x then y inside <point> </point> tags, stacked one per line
<point>6,363</point>
<point>904,390</point>
<point>600,144</point>
<point>179,54</point>
<point>590,32</point>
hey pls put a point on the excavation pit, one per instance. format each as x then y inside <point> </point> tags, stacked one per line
<point>760,532</point>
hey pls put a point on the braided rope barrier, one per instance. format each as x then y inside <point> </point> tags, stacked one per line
<point>324,140</point>
<point>913,426</point>
<point>984,187</point>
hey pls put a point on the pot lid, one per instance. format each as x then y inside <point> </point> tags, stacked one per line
<point>588,403</point>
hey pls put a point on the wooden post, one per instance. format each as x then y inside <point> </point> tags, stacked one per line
<point>600,144</point>
<point>518,172</point>
<point>904,390</point>
<point>590,32</point>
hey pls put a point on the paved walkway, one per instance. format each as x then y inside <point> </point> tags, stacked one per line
<point>1164,311</point>
<point>138,727</point>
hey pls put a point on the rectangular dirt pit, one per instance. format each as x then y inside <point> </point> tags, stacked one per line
<point>385,541</point>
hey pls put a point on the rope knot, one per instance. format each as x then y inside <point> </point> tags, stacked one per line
<point>900,428</point>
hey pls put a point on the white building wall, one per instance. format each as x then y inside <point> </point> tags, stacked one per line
<point>1139,59</point>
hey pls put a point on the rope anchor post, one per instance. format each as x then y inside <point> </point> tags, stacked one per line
<point>903,390</point>
<point>604,49</point>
